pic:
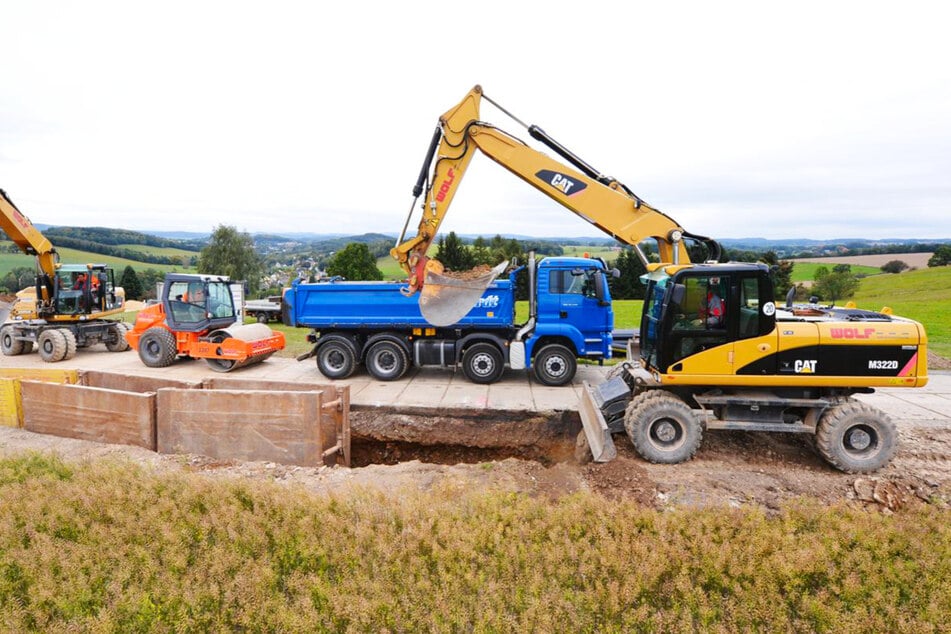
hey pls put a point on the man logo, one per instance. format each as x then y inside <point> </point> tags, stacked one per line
<point>567,185</point>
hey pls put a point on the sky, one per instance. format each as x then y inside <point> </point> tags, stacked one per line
<point>738,119</point>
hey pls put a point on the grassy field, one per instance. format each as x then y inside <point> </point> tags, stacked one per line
<point>806,271</point>
<point>9,261</point>
<point>113,547</point>
<point>923,295</point>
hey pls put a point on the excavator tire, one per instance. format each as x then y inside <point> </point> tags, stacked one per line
<point>70,339</point>
<point>662,427</point>
<point>118,342</point>
<point>856,438</point>
<point>52,345</point>
<point>157,347</point>
<point>10,345</point>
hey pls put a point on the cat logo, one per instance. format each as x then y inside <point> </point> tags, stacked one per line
<point>567,185</point>
<point>805,366</point>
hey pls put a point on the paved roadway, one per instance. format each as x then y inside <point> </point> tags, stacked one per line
<point>447,389</point>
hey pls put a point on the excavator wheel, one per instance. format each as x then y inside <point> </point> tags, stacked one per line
<point>71,346</point>
<point>157,347</point>
<point>10,345</point>
<point>52,345</point>
<point>117,334</point>
<point>856,438</point>
<point>662,427</point>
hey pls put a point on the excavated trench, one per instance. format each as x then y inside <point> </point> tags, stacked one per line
<point>387,436</point>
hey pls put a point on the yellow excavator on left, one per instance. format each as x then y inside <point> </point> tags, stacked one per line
<point>72,300</point>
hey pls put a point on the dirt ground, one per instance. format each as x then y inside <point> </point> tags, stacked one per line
<point>731,469</point>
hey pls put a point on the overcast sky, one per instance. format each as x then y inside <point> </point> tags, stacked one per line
<point>807,119</point>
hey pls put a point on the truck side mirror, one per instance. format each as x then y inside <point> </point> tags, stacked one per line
<point>615,273</point>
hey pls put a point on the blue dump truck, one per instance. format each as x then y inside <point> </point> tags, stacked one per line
<point>373,323</point>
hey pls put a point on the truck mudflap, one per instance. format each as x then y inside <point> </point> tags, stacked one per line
<point>595,427</point>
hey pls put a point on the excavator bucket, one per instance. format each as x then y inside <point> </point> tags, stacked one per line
<point>595,427</point>
<point>445,299</point>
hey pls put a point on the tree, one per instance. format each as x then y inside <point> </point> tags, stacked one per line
<point>628,285</point>
<point>130,283</point>
<point>232,253</point>
<point>148,279</point>
<point>354,262</point>
<point>781,272</point>
<point>838,284</point>
<point>941,257</point>
<point>19,278</point>
<point>894,266</point>
<point>453,254</point>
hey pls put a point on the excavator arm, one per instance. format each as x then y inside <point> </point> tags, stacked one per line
<point>30,240</point>
<point>601,200</point>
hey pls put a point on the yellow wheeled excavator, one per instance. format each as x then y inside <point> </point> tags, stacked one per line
<point>72,300</point>
<point>716,350</point>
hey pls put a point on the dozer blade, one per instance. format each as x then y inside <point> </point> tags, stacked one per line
<point>444,300</point>
<point>595,427</point>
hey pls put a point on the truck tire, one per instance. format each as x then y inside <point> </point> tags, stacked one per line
<point>261,318</point>
<point>856,438</point>
<point>662,428</point>
<point>70,339</point>
<point>555,365</point>
<point>10,345</point>
<point>157,347</point>
<point>117,341</point>
<point>52,345</point>
<point>483,363</point>
<point>336,357</point>
<point>386,360</point>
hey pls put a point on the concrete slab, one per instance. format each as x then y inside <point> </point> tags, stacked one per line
<point>911,405</point>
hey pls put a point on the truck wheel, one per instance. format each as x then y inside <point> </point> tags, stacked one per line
<point>52,345</point>
<point>70,339</point>
<point>157,347</point>
<point>662,427</point>
<point>555,365</point>
<point>117,342</point>
<point>483,363</point>
<point>336,357</point>
<point>262,318</point>
<point>9,344</point>
<point>386,360</point>
<point>856,438</point>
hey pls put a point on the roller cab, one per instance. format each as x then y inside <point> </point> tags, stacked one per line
<point>197,318</point>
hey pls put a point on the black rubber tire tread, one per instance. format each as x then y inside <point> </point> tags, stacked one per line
<point>119,344</point>
<point>157,348</point>
<point>399,356</point>
<point>482,352</point>
<point>261,318</point>
<point>332,345</point>
<point>10,345</point>
<point>70,339</point>
<point>838,420</point>
<point>647,408</point>
<point>550,351</point>
<point>52,345</point>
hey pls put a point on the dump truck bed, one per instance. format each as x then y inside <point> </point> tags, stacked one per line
<point>375,305</point>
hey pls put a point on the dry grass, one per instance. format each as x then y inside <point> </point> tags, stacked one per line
<point>114,548</point>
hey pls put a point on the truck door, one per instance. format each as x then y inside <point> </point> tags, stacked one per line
<point>584,304</point>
